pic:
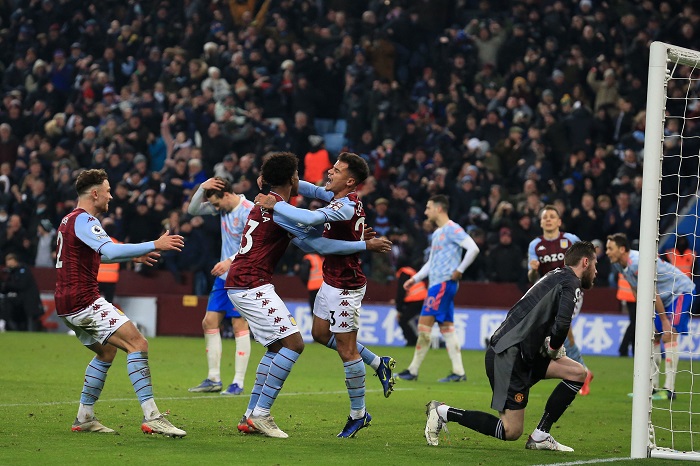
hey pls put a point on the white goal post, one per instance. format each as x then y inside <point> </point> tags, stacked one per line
<point>666,428</point>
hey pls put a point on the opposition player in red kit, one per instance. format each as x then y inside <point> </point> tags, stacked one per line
<point>339,300</point>
<point>545,254</point>
<point>265,239</point>
<point>81,245</point>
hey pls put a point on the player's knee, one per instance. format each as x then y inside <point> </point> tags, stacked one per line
<point>423,338</point>
<point>142,345</point>
<point>319,335</point>
<point>348,353</point>
<point>512,432</point>
<point>107,353</point>
<point>298,348</point>
<point>240,325</point>
<point>581,374</point>
<point>294,342</point>
<point>210,321</point>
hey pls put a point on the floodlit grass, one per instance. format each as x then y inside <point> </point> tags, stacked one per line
<point>41,378</point>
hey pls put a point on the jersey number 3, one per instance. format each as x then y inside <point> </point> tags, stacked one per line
<point>247,240</point>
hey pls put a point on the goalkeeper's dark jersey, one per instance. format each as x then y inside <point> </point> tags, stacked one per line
<point>545,310</point>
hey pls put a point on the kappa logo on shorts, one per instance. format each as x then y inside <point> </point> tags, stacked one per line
<point>112,322</point>
<point>283,329</point>
<point>278,320</point>
<point>259,295</point>
<point>344,314</point>
<point>95,307</point>
<point>343,325</point>
<point>104,314</point>
<point>265,302</point>
<point>271,311</point>
<point>344,303</point>
<point>519,397</point>
<point>345,293</point>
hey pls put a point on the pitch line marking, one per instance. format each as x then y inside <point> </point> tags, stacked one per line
<point>191,397</point>
<point>594,461</point>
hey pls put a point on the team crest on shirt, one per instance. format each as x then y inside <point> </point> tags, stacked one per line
<point>98,232</point>
<point>335,205</point>
<point>564,243</point>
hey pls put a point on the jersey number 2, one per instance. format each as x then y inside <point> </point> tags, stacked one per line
<point>59,242</point>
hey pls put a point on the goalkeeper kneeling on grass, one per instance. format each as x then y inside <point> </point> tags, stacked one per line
<point>526,348</point>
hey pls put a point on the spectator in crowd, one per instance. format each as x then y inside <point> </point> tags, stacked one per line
<point>498,92</point>
<point>505,259</point>
<point>20,305</point>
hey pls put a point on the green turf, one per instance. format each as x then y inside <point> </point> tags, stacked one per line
<point>41,378</point>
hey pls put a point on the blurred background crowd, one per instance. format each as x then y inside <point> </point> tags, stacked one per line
<point>505,106</point>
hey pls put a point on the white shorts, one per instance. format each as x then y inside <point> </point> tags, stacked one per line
<point>339,307</point>
<point>96,323</point>
<point>267,315</point>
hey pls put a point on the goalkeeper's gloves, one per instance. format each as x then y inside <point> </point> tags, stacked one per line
<point>550,352</point>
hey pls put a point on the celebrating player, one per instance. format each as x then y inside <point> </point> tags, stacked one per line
<point>234,210</point>
<point>674,298</point>
<point>337,305</point>
<point>444,270</point>
<point>265,238</point>
<point>81,243</point>
<point>545,254</point>
<point>526,348</point>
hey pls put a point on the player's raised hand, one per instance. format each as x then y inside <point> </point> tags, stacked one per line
<point>266,201</point>
<point>213,183</point>
<point>148,259</point>
<point>169,242</point>
<point>380,245</point>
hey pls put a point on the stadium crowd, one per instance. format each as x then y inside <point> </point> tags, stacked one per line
<point>504,106</point>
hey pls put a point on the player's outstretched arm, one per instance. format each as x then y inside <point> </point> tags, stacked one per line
<point>168,242</point>
<point>326,246</point>
<point>304,216</point>
<point>149,259</point>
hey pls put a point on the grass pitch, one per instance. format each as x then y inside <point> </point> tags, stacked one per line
<point>42,374</point>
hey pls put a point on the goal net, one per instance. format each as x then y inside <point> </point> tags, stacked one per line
<point>666,426</point>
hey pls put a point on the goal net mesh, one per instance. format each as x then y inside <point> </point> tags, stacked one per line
<point>675,415</point>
